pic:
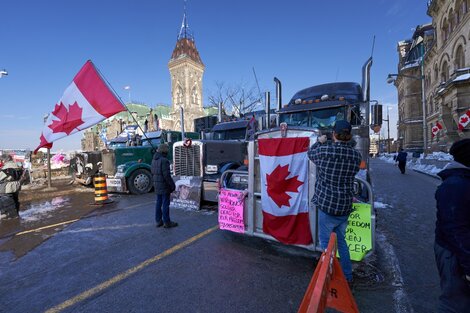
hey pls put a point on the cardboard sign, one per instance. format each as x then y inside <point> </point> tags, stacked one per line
<point>359,231</point>
<point>231,203</point>
<point>187,194</point>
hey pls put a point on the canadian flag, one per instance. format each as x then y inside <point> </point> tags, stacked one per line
<point>86,102</point>
<point>464,120</point>
<point>435,129</point>
<point>284,189</point>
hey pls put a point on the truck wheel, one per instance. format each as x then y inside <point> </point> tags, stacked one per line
<point>139,182</point>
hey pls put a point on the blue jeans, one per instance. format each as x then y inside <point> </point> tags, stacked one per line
<point>330,223</point>
<point>455,293</point>
<point>162,208</point>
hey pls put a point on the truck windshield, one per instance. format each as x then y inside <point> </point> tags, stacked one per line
<point>317,119</point>
<point>239,133</point>
<point>154,141</point>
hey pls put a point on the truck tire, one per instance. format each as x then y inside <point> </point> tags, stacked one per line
<point>139,182</point>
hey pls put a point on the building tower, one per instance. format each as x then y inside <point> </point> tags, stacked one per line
<point>186,71</point>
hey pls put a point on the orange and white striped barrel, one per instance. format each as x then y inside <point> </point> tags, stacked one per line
<point>101,192</point>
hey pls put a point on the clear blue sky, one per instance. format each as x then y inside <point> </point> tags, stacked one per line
<point>43,44</point>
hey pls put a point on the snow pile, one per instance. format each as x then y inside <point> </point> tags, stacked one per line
<point>431,164</point>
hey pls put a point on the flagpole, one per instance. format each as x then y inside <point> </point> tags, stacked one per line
<point>118,97</point>
<point>49,171</point>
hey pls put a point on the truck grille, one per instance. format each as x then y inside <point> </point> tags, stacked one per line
<point>108,159</point>
<point>187,161</point>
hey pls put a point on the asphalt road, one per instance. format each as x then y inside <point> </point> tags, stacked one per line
<point>116,260</point>
<point>405,236</point>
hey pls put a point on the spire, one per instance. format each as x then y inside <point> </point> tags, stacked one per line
<point>185,32</point>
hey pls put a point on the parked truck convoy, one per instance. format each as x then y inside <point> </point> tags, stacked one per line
<point>311,112</point>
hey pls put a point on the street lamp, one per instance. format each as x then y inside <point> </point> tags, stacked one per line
<point>3,73</point>
<point>392,77</point>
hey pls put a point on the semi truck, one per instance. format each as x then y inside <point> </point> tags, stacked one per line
<point>127,166</point>
<point>128,169</point>
<point>310,113</point>
<point>224,148</point>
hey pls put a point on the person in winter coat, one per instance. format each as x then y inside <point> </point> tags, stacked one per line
<point>452,235</point>
<point>10,180</point>
<point>164,186</point>
<point>401,159</point>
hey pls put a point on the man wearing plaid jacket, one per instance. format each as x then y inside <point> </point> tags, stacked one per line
<point>337,163</point>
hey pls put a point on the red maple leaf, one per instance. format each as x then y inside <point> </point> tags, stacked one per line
<point>68,120</point>
<point>278,185</point>
<point>463,120</point>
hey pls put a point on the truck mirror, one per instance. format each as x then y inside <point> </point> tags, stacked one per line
<point>168,137</point>
<point>376,114</point>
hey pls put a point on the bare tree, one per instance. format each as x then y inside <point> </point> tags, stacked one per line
<point>236,100</point>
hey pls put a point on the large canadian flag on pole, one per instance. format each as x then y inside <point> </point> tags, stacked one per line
<point>284,189</point>
<point>87,101</point>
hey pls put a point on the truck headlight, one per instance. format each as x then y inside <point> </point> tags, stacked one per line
<point>211,169</point>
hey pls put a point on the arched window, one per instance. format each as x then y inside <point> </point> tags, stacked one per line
<point>444,72</point>
<point>458,12</point>
<point>436,75</point>
<point>179,96</point>
<point>459,58</point>
<point>194,96</point>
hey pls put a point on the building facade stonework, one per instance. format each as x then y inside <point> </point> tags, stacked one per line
<point>437,59</point>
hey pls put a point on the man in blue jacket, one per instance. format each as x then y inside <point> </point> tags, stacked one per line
<point>452,241</point>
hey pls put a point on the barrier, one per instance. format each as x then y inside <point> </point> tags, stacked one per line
<point>328,287</point>
<point>101,191</point>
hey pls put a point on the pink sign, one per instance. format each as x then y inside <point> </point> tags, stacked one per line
<point>231,204</point>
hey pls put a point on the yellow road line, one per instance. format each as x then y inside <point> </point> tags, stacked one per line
<point>97,289</point>
<point>45,227</point>
<point>71,221</point>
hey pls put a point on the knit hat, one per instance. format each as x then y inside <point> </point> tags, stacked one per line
<point>342,127</point>
<point>460,150</point>
<point>163,148</point>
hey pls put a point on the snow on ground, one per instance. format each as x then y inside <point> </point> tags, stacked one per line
<point>37,211</point>
<point>431,164</point>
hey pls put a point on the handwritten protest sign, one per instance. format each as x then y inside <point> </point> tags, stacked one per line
<point>359,231</point>
<point>231,210</point>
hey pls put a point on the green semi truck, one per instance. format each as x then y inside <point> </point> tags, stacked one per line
<point>127,168</point>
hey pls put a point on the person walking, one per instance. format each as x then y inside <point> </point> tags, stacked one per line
<point>164,186</point>
<point>401,159</point>
<point>336,163</point>
<point>452,234</point>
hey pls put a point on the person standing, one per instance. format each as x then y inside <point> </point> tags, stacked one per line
<point>10,181</point>
<point>336,163</point>
<point>401,159</point>
<point>164,186</point>
<point>452,234</point>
